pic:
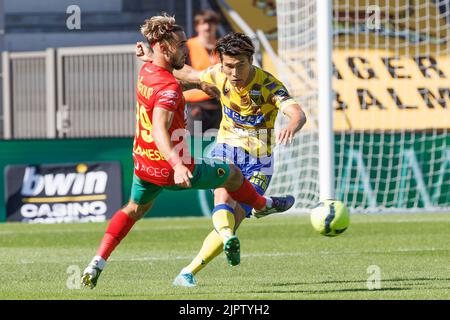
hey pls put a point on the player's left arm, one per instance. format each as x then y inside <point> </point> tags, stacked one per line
<point>297,120</point>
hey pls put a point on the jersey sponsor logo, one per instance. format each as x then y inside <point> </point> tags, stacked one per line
<point>250,132</point>
<point>152,171</point>
<point>260,179</point>
<point>251,120</point>
<point>168,97</point>
<point>168,101</point>
<point>172,94</point>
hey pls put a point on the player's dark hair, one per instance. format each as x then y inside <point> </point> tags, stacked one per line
<point>234,44</point>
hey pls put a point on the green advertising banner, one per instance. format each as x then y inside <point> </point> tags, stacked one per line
<point>395,170</point>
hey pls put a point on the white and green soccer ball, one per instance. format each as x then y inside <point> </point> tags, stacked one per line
<point>330,217</point>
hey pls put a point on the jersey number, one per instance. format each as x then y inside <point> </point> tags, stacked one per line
<point>142,117</point>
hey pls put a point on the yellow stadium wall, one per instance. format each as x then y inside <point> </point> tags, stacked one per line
<point>257,20</point>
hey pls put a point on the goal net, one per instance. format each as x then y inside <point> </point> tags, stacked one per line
<point>391,82</point>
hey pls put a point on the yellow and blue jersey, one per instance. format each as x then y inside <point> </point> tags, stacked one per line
<point>248,115</point>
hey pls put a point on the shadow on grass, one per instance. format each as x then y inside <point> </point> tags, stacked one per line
<point>195,294</point>
<point>331,291</point>
<point>282,284</point>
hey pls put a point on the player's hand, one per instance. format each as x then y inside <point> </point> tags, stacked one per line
<point>182,176</point>
<point>285,136</point>
<point>210,90</point>
<point>142,52</point>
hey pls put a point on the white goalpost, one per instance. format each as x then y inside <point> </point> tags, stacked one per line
<point>324,100</point>
<point>373,77</point>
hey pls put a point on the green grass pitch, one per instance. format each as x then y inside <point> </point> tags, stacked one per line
<point>282,258</point>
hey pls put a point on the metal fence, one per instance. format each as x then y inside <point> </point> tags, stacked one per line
<point>69,92</point>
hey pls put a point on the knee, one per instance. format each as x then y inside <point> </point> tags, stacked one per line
<point>235,178</point>
<point>221,196</point>
<point>134,211</point>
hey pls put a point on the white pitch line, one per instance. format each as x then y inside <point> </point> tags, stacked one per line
<point>247,255</point>
<point>274,221</point>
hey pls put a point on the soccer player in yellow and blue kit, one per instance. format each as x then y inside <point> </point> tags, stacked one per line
<point>250,99</point>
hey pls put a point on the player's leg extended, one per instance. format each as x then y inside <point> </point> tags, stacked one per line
<point>142,197</point>
<point>118,227</point>
<point>230,177</point>
<point>212,176</point>
<point>221,195</point>
<point>241,190</point>
<point>223,214</point>
<point>224,221</point>
<point>212,246</point>
<point>260,182</point>
<point>222,238</point>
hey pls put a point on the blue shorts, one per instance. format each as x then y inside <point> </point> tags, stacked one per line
<point>258,171</point>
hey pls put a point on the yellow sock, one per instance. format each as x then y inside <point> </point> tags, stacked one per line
<point>223,221</point>
<point>212,247</point>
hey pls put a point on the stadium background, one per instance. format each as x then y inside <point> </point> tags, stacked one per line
<point>67,101</point>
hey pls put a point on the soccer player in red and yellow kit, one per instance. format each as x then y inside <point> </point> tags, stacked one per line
<point>161,158</point>
<point>251,99</point>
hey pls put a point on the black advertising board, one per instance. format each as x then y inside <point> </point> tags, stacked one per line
<point>56,193</point>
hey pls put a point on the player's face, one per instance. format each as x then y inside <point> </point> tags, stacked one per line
<point>178,51</point>
<point>236,69</point>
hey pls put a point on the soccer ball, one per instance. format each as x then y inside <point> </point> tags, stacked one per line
<point>330,217</point>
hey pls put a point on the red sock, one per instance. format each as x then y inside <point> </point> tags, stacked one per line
<point>118,228</point>
<point>248,195</point>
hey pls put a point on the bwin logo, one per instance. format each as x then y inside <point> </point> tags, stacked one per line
<point>63,184</point>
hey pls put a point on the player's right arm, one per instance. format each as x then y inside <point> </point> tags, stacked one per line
<point>162,120</point>
<point>142,52</point>
<point>188,76</point>
<point>196,80</point>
